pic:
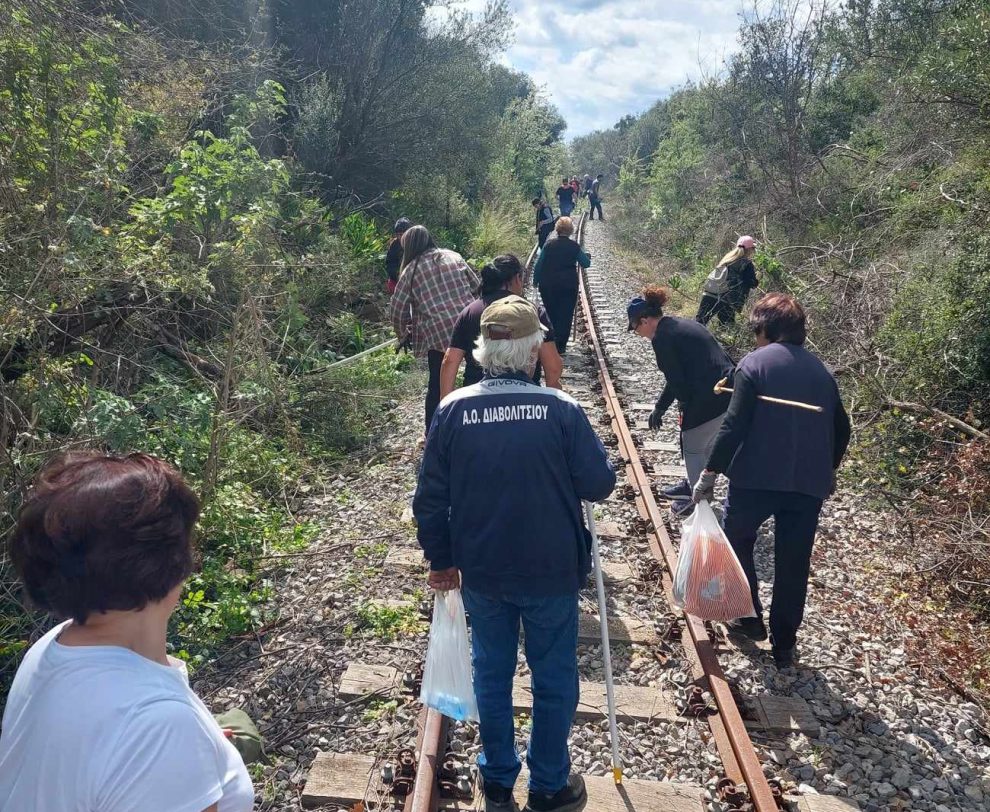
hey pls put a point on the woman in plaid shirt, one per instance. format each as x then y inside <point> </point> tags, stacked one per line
<point>434,286</point>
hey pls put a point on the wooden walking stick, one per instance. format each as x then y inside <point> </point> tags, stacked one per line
<point>606,651</point>
<point>721,388</point>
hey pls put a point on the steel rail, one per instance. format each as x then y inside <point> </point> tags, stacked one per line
<point>424,797</point>
<point>728,729</point>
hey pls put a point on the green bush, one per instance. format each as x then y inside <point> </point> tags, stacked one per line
<point>501,228</point>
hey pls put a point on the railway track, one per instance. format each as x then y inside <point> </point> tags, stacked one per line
<point>719,768</point>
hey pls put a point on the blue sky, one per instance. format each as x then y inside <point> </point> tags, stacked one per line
<point>600,59</point>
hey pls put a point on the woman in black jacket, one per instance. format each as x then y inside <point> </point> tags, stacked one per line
<point>692,362</point>
<point>556,276</point>
<point>393,255</point>
<point>728,286</point>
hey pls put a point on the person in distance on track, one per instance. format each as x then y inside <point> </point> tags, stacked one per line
<point>576,186</point>
<point>565,194</point>
<point>587,185</point>
<point>595,198</point>
<point>544,220</point>
<point>780,462</point>
<point>556,276</point>
<point>498,510</point>
<point>99,716</point>
<point>434,287</point>
<point>501,277</point>
<point>728,286</point>
<point>393,255</point>
<point>692,362</point>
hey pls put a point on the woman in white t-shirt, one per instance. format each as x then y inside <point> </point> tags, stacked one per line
<point>99,718</point>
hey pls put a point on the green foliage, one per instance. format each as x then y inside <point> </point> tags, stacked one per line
<point>378,709</point>
<point>527,147</point>
<point>938,329</point>
<point>361,236</point>
<point>225,199</point>
<point>501,229</point>
<point>956,72</point>
<point>386,622</point>
<point>187,247</point>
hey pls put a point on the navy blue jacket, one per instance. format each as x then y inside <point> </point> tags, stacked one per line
<point>692,361</point>
<point>505,468</point>
<point>782,448</point>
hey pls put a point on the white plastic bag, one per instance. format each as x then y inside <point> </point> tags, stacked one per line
<point>709,582</point>
<point>447,685</point>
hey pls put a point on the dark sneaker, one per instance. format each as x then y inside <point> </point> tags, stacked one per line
<point>572,798</point>
<point>499,799</point>
<point>752,628</point>
<point>682,488</point>
<point>784,657</point>
<point>681,508</point>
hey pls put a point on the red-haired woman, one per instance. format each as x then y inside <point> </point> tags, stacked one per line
<point>99,716</point>
<point>692,362</point>
<point>780,462</point>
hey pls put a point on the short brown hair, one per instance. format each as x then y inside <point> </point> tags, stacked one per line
<point>100,533</point>
<point>779,317</point>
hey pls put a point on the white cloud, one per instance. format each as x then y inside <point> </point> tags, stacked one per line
<point>601,59</point>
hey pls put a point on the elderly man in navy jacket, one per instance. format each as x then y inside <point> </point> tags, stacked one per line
<point>498,507</point>
<point>780,461</point>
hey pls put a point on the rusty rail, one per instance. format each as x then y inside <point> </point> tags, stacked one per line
<point>728,729</point>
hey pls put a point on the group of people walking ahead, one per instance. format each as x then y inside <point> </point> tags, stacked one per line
<point>568,194</point>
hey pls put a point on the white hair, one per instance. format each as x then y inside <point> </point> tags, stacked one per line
<point>497,357</point>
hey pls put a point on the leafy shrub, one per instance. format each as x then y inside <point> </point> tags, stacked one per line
<point>500,230</point>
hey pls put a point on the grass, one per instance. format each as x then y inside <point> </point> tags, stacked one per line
<point>386,623</point>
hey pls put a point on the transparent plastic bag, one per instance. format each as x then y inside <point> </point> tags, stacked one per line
<point>709,582</point>
<point>447,685</point>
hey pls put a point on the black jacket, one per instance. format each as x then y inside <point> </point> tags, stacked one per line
<point>393,260</point>
<point>741,276</point>
<point>782,448</point>
<point>556,268</point>
<point>692,361</point>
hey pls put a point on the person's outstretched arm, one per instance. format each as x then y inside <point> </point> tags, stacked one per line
<point>735,425</point>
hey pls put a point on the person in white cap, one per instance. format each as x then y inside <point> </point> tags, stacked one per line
<point>727,287</point>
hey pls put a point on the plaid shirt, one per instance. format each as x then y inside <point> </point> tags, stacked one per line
<point>431,293</point>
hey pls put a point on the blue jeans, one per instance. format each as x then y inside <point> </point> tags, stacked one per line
<point>551,628</point>
<point>795,523</point>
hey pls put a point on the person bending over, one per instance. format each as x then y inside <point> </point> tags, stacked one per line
<point>434,287</point>
<point>728,286</point>
<point>692,362</point>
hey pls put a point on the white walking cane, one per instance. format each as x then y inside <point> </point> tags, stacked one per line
<point>606,651</point>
